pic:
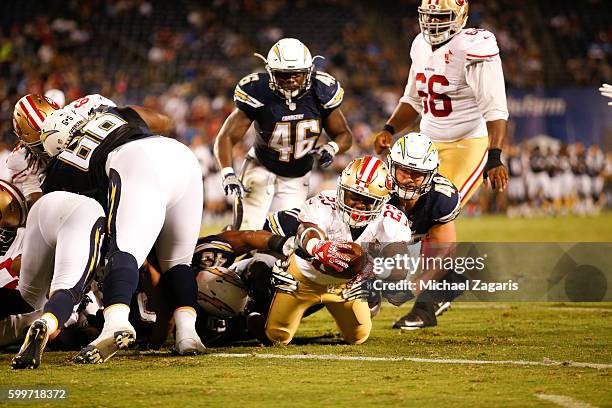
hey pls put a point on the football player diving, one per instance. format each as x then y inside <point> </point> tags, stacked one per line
<point>290,104</point>
<point>322,269</point>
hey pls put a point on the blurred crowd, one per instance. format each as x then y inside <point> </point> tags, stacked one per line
<point>550,178</point>
<point>184,58</point>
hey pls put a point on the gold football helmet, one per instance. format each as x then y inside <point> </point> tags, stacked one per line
<point>28,116</point>
<point>363,189</point>
<point>13,214</point>
<point>440,20</point>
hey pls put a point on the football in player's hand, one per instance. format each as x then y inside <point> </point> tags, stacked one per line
<point>356,263</point>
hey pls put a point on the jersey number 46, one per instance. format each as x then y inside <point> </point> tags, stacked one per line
<point>307,132</point>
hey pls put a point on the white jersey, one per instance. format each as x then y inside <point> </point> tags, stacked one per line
<point>83,106</point>
<point>390,226</point>
<point>458,87</point>
<point>8,276</point>
<point>25,179</point>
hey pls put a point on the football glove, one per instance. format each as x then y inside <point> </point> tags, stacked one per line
<point>282,280</point>
<point>326,153</point>
<point>231,183</point>
<point>357,290</point>
<point>329,253</point>
<point>606,90</point>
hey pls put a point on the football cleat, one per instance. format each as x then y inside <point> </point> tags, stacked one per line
<point>423,314</point>
<point>442,307</point>
<point>106,346</point>
<point>30,354</point>
<point>190,346</point>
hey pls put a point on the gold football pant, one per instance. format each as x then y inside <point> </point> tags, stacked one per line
<point>353,318</point>
<point>463,162</point>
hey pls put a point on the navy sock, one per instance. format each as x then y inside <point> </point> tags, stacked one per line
<point>180,284</point>
<point>120,279</point>
<point>60,305</point>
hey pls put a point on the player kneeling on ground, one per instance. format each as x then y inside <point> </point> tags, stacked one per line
<point>431,203</point>
<point>329,260</point>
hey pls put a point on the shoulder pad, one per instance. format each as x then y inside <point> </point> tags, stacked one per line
<point>249,88</point>
<point>284,223</point>
<point>418,40</point>
<point>479,44</point>
<point>446,202</point>
<point>212,250</point>
<point>328,90</point>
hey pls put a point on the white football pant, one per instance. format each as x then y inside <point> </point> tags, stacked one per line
<point>61,246</point>
<point>158,200</point>
<point>269,193</point>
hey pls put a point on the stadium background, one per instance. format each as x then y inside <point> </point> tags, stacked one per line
<point>185,57</point>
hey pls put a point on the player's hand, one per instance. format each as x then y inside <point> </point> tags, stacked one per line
<point>495,172</point>
<point>606,90</point>
<point>359,289</point>
<point>330,254</point>
<point>382,141</point>
<point>325,153</point>
<point>281,279</point>
<point>232,185</point>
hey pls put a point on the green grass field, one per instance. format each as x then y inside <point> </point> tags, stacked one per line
<point>523,354</point>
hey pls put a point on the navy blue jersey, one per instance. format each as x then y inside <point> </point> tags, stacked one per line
<point>441,204</point>
<point>213,250</point>
<point>285,136</point>
<point>80,168</point>
<point>284,223</point>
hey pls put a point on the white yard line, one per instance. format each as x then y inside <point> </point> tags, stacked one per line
<point>411,359</point>
<point>563,401</point>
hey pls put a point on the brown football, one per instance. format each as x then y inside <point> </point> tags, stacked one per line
<point>356,263</point>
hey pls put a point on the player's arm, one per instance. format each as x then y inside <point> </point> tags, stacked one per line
<point>313,241</point>
<point>338,130</point>
<point>485,76</point>
<point>231,133</point>
<point>404,116</point>
<point>246,241</point>
<point>157,122</point>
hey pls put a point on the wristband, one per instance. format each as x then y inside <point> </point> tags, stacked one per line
<point>227,171</point>
<point>494,158</point>
<point>389,128</point>
<point>311,244</point>
<point>276,242</point>
<point>334,146</point>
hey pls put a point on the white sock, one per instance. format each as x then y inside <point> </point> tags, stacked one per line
<point>51,322</point>
<point>185,319</point>
<point>117,315</point>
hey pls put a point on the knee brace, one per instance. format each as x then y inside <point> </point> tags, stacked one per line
<point>120,279</point>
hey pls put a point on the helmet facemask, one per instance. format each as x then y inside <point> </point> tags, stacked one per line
<point>413,190</point>
<point>439,26</point>
<point>359,217</point>
<point>280,76</point>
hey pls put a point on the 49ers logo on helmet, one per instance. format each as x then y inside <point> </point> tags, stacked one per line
<point>460,2</point>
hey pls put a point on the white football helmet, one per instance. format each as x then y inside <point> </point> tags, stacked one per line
<point>413,152</point>
<point>221,292</point>
<point>289,56</point>
<point>440,20</point>
<point>58,128</point>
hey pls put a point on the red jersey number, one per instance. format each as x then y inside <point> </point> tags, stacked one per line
<point>431,98</point>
